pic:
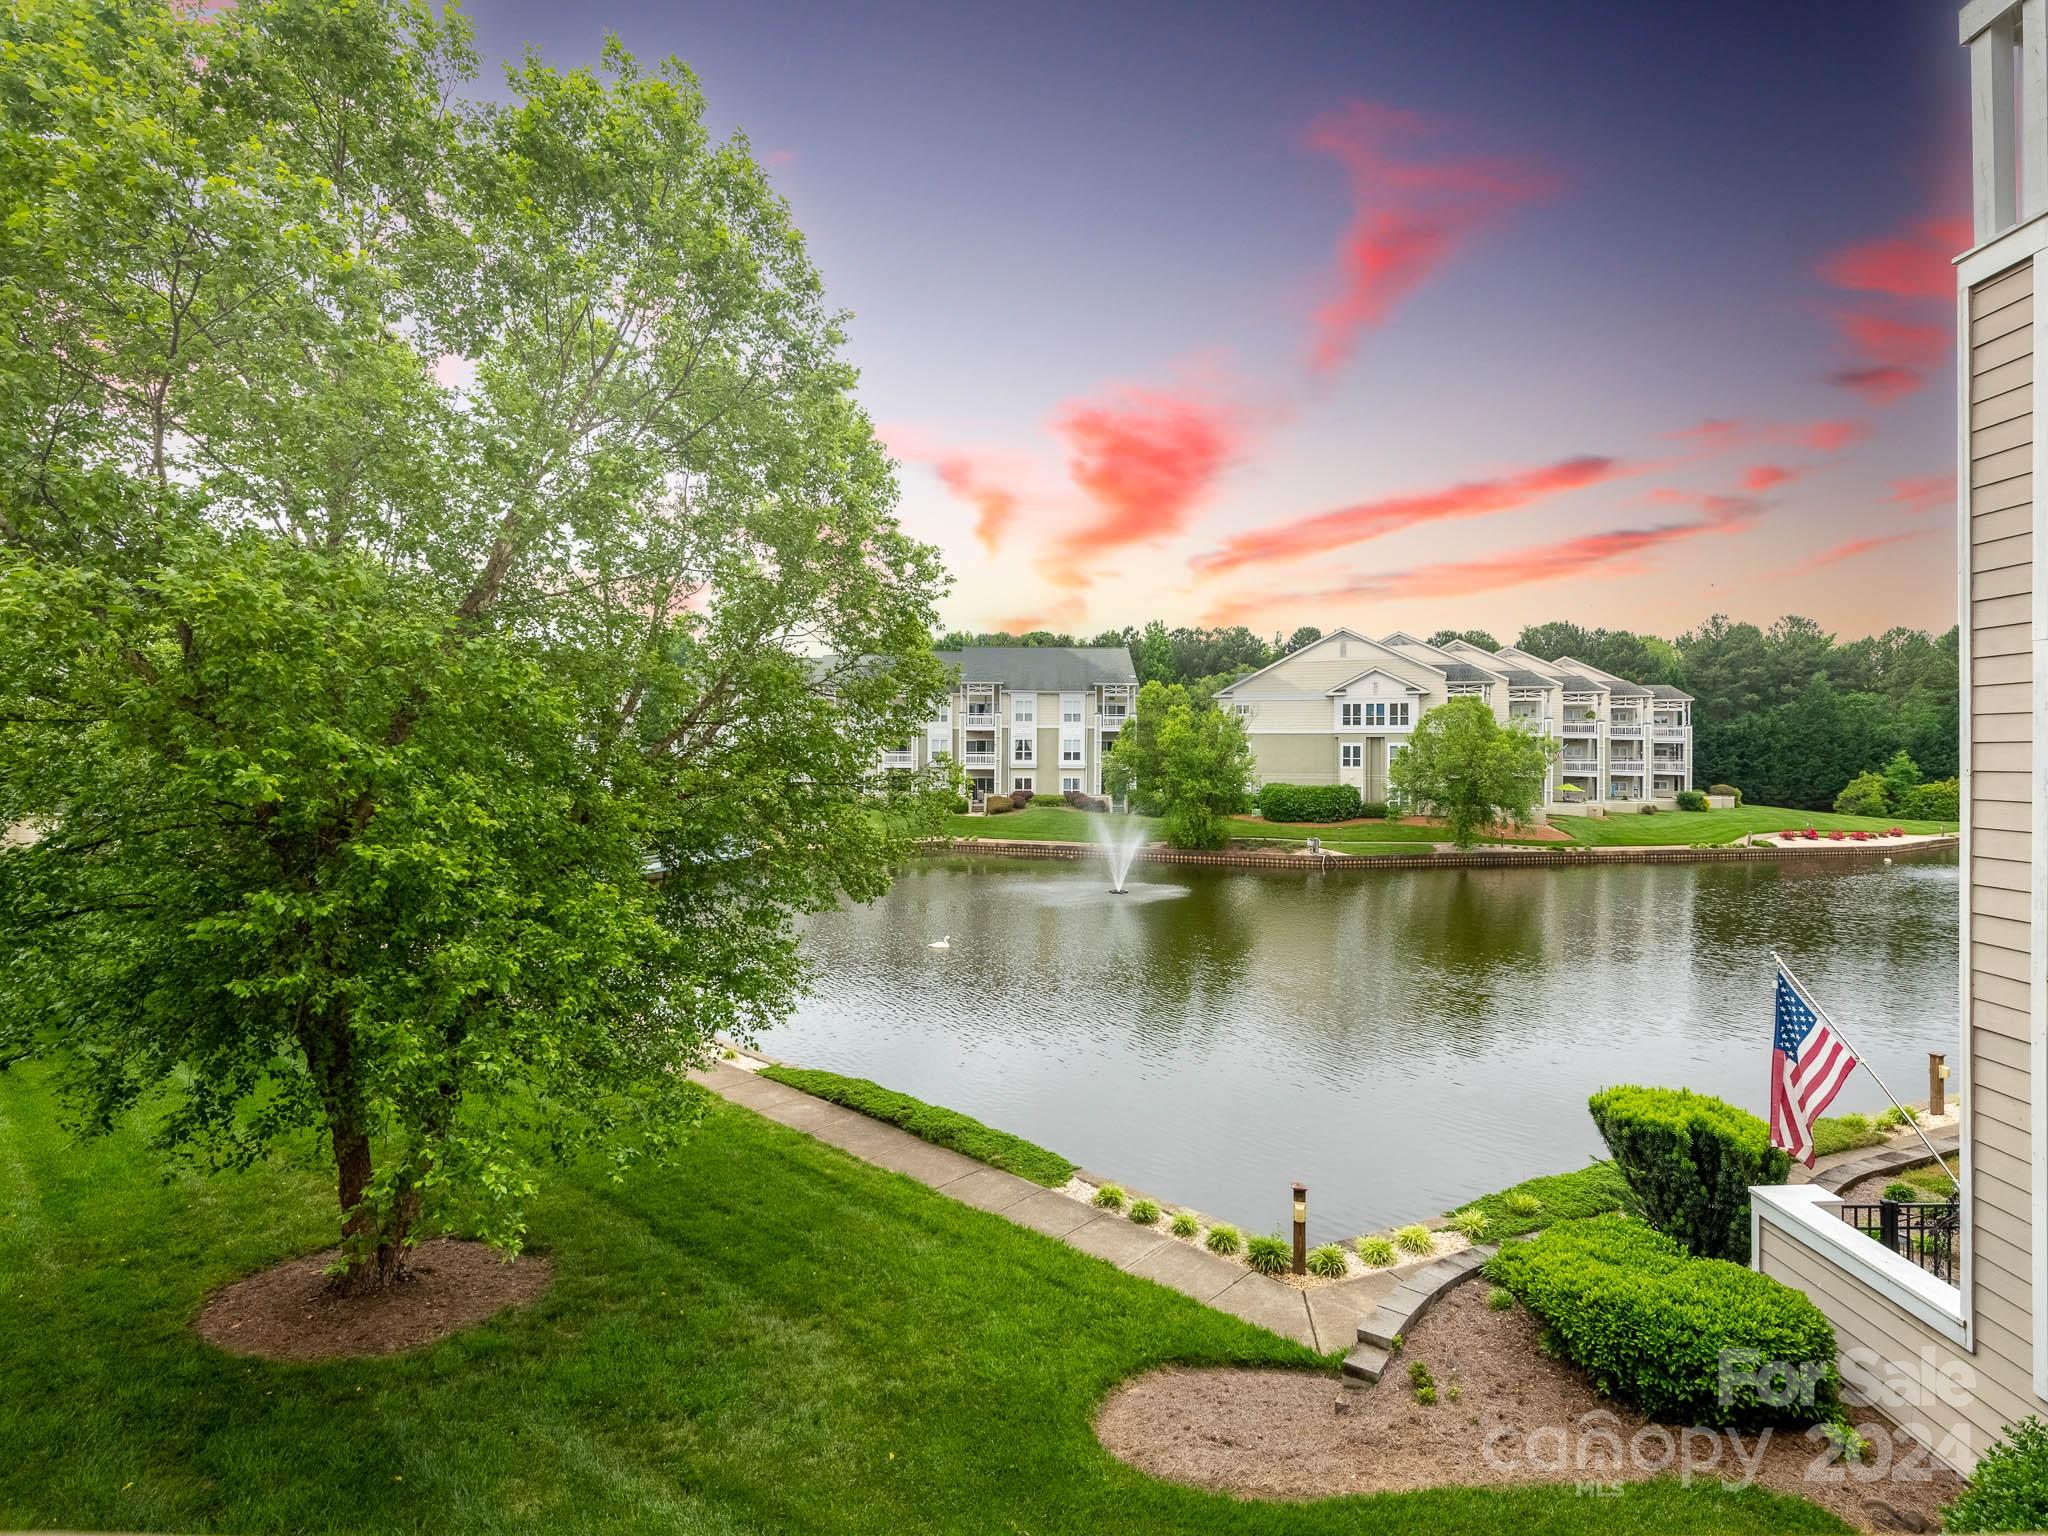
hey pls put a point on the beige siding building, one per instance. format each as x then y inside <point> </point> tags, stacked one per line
<point>1953,1364</point>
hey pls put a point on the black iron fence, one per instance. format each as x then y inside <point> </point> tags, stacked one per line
<point>1927,1232</point>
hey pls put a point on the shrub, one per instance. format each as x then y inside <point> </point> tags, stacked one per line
<point>1077,800</point>
<point>1184,1224</point>
<point>1144,1212</point>
<point>1896,1119</point>
<point>941,1127</point>
<point>1327,1260</point>
<point>1048,799</point>
<point>1726,789</point>
<point>1423,1381</point>
<point>1500,1299</point>
<point>1520,1202</point>
<point>1684,1339</point>
<point>1864,795</point>
<point>995,805</point>
<point>1224,1239</point>
<point>1373,810</point>
<point>1376,1250</point>
<point>1267,1254</point>
<point>1689,1160</point>
<point>1646,809</point>
<point>1901,1191</point>
<point>1691,800</point>
<point>1414,1239</point>
<point>960,805</point>
<point>1936,800</point>
<point>2009,1489</point>
<point>1308,802</point>
<point>1110,1197</point>
<point>1469,1224</point>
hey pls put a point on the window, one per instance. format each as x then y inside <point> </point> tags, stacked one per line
<point>1023,709</point>
<point>1242,711</point>
<point>1351,714</point>
<point>938,742</point>
<point>1024,749</point>
<point>1353,755</point>
<point>1069,781</point>
<point>1397,714</point>
<point>1070,749</point>
<point>1070,709</point>
<point>1022,783</point>
<point>1378,712</point>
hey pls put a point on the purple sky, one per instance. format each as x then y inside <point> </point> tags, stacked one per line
<point>1617,313</point>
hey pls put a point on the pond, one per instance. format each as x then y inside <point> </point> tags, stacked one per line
<point>1400,1040</point>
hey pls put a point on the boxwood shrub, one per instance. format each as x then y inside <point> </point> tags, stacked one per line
<point>2009,1489</point>
<point>1308,802</point>
<point>1691,800</point>
<point>1687,1340</point>
<point>1689,1160</point>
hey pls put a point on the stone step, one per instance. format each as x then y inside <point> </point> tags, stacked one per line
<point>1401,1308</point>
<point>1366,1363</point>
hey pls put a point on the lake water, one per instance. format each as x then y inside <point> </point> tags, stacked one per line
<point>1400,1040</point>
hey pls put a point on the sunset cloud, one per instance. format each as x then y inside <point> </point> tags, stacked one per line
<point>1365,520</point>
<point>1409,215</point>
<point>1920,494</point>
<point>984,480</point>
<point>1912,265</point>
<point>1765,477</point>
<point>1893,355</point>
<point>1830,436</point>
<point>1145,459</point>
<point>1854,547</point>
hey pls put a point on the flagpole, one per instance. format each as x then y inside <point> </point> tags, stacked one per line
<point>1864,1062</point>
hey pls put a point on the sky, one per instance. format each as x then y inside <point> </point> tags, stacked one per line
<point>1392,316</point>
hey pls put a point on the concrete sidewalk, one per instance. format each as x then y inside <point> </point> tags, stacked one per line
<point>1326,1319</point>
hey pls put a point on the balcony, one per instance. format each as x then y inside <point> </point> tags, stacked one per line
<point>980,720</point>
<point>1625,730</point>
<point>1582,727</point>
<point>899,759</point>
<point>985,758</point>
<point>1673,732</point>
<point>1632,766</point>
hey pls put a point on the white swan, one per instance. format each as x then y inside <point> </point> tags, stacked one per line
<point>945,943</point>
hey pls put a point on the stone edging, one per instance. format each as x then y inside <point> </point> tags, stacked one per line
<point>1380,1331</point>
<point>1894,1158</point>
<point>1477,858</point>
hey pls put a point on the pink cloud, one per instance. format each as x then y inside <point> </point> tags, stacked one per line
<point>1830,436</point>
<point>1145,459</point>
<point>985,481</point>
<point>1765,477</point>
<point>1409,216</point>
<point>1849,550</point>
<point>1373,519</point>
<point>1921,494</point>
<point>1912,265</point>
<point>776,159</point>
<point>1879,383</point>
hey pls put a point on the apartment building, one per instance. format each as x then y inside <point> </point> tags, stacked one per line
<point>1339,712</point>
<point>1955,1363</point>
<point>1028,719</point>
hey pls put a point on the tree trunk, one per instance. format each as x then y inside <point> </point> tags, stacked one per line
<point>372,1249</point>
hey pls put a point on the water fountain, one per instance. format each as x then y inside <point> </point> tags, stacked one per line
<point>1121,838</point>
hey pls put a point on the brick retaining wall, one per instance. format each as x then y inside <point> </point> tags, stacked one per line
<point>1478,858</point>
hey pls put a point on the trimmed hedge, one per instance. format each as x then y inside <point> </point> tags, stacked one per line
<point>2009,1489</point>
<point>1686,1340</point>
<point>1691,800</point>
<point>1726,789</point>
<point>1309,802</point>
<point>941,1127</point>
<point>1936,800</point>
<point>1690,1159</point>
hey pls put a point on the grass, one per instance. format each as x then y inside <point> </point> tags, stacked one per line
<point>941,1127</point>
<point>1061,823</point>
<point>1590,1191</point>
<point>1845,1133</point>
<point>1928,1180</point>
<point>764,1336</point>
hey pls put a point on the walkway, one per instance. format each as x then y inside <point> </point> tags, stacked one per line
<point>1326,1319</point>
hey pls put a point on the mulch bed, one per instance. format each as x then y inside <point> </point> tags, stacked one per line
<point>1518,1417</point>
<point>288,1312</point>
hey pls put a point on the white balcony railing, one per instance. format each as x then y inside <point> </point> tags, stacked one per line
<point>1622,730</point>
<point>1628,765</point>
<point>899,759</point>
<point>980,720</point>
<point>974,759</point>
<point>1582,727</point>
<point>1672,732</point>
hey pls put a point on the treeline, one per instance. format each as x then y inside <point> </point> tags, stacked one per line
<point>1788,714</point>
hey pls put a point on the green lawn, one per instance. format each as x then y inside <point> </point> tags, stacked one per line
<point>942,1127</point>
<point>1060,823</point>
<point>767,1337</point>
<point>1536,1203</point>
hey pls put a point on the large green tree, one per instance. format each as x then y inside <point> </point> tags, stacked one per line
<point>1464,767</point>
<point>419,524</point>
<point>1184,760</point>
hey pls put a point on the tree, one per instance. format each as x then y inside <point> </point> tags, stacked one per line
<point>1901,777</point>
<point>1303,637</point>
<point>1183,760</point>
<point>1864,795</point>
<point>409,760</point>
<point>1478,637</point>
<point>1153,655</point>
<point>1464,767</point>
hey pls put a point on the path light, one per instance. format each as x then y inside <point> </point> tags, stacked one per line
<point>1301,1229</point>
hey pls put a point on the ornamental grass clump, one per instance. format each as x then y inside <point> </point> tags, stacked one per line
<point>1416,1239</point>
<point>1469,1224</point>
<point>1144,1212</point>
<point>1327,1260</point>
<point>1377,1250</point>
<point>1224,1239</point>
<point>1690,1160</point>
<point>1267,1254</point>
<point>1687,1340</point>
<point>1184,1224</point>
<point>1110,1197</point>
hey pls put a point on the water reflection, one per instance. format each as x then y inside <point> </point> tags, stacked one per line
<point>1401,1040</point>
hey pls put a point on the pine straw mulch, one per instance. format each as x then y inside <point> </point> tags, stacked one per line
<point>288,1312</point>
<point>1519,1417</point>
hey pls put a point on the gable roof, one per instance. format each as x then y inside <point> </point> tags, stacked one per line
<point>1342,632</point>
<point>1475,673</point>
<point>1666,691</point>
<point>1370,672</point>
<point>1044,668</point>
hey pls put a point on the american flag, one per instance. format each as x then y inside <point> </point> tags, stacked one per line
<point>1809,1064</point>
